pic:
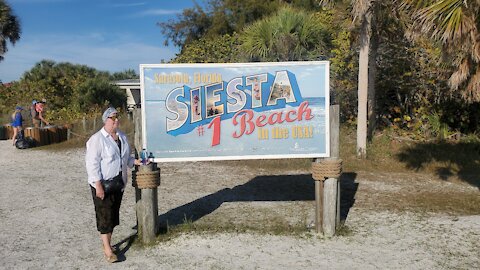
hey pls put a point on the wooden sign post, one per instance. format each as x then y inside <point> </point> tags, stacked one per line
<point>146,198</point>
<point>327,191</point>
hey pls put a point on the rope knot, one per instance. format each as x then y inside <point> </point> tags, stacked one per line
<point>326,168</point>
<point>143,180</point>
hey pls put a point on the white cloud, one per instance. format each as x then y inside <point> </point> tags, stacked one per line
<point>155,12</point>
<point>129,4</point>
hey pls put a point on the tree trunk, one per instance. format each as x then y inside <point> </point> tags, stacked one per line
<point>363,85</point>
<point>372,104</point>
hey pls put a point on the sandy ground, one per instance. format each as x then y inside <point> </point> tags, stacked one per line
<point>47,221</point>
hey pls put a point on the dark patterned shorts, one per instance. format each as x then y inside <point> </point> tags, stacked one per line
<point>107,210</point>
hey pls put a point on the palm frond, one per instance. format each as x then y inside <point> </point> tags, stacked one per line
<point>289,34</point>
<point>460,75</point>
<point>446,20</point>
<point>472,92</point>
<point>476,49</point>
<point>326,3</point>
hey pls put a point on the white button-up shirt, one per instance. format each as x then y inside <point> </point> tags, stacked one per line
<point>103,158</point>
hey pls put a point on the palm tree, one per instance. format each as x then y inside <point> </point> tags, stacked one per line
<point>9,27</point>
<point>456,24</point>
<point>288,35</point>
<point>363,11</point>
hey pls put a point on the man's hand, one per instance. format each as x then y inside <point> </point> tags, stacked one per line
<point>138,162</point>
<point>99,192</point>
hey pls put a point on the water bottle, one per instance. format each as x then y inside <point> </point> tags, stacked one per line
<point>144,156</point>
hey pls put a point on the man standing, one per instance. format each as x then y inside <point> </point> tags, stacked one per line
<point>37,112</point>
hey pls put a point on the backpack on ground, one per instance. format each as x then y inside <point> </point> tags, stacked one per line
<point>22,142</point>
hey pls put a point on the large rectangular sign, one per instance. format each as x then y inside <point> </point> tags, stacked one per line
<point>194,112</point>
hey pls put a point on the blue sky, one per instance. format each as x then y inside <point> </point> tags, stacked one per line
<point>104,34</point>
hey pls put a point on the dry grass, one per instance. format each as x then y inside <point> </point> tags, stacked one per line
<point>447,160</point>
<point>421,199</point>
<point>439,177</point>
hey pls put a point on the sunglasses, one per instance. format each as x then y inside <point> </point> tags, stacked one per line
<point>115,117</point>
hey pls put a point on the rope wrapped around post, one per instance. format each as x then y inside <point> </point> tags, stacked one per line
<point>327,168</point>
<point>147,179</point>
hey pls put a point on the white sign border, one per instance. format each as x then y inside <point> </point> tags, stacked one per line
<point>249,157</point>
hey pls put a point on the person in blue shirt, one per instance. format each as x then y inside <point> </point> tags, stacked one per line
<point>17,121</point>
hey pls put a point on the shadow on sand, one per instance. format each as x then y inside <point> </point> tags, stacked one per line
<point>260,188</point>
<point>456,159</point>
<point>126,243</point>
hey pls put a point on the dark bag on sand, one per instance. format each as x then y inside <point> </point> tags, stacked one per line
<point>113,185</point>
<point>22,142</point>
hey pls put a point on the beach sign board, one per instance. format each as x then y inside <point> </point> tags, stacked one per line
<point>197,112</point>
